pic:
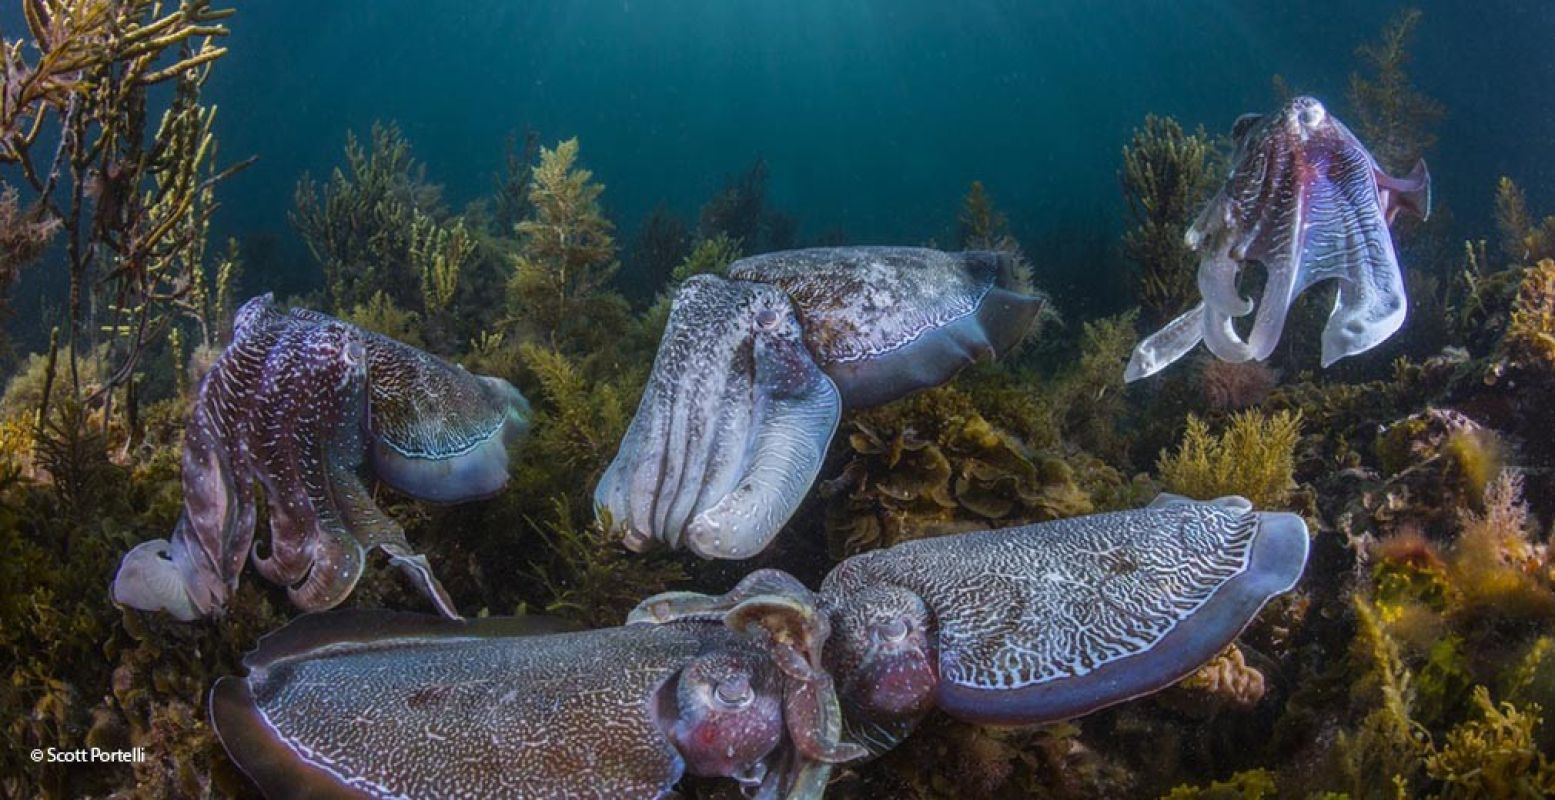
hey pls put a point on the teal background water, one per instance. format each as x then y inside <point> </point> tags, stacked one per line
<point>872,116</point>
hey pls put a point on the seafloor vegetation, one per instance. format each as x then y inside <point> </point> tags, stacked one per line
<point>1417,657</point>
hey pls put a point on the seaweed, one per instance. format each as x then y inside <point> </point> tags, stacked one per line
<point>663,240</point>
<point>590,577</point>
<point>981,225</point>
<point>360,225</point>
<point>559,292</point>
<point>931,465</point>
<point>1497,571</point>
<point>1255,784</point>
<point>1235,385</point>
<point>1088,399</point>
<point>739,211</point>
<point>1382,756</point>
<point>1523,240</point>
<point>1394,118</point>
<point>1493,757</point>
<point>1226,681</point>
<point>381,315</point>
<point>1529,342</point>
<point>129,190</point>
<point>1253,457</point>
<point>510,195</point>
<point>1167,174</point>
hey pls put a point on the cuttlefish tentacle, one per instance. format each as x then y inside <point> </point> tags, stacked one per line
<point>776,609</point>
<point>683,606</point>
<point>796,412</point>
<point>192,573</point>
<point>321,559</point>
<point>730,430</point>
<point>1307,202</point>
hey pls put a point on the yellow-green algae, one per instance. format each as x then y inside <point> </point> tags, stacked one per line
<point>1416,660</point>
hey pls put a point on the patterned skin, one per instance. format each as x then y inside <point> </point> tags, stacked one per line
<point>884,322</point>
<point>770,684</point>
<point>384,704</point>
<point>753,372</point>
<point>1055,620</point>
<point>297,404</point>
<point>1306,201</point>
<point>1033,624</point>
<point>731,428</point>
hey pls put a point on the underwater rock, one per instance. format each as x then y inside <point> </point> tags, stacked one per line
<point>770,684</point>
<point>1306,201</point>
<point>753,372</point>
<point>300,403</point>
<point>1433,464</point>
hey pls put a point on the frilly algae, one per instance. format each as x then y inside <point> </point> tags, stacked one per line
<point>919,468</point>
<point>1254,457</point>
<point>1416,661</point>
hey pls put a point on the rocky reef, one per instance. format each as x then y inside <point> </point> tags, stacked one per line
<point>1417,657</point>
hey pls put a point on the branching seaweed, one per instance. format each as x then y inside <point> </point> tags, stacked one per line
<point>1253,457</point>
<point>1167,174</point>
<point>1394,118</point>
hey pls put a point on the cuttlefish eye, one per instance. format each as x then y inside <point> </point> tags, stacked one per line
<point>727,716</point>
<point>1309,112</point>
<point>766,319</point>
<point>890,632</point>
<point>735,692</point>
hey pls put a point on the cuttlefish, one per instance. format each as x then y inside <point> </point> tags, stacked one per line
<point>770,684</point>
<point>1306,201</point>
<point>308,407</point>
<point>754,371</point>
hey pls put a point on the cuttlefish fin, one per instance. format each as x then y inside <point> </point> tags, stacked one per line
<point>1410,193</point>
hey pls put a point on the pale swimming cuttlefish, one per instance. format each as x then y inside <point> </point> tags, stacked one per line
<point>1305,200</point>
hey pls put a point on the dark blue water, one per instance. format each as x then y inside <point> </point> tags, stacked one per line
<point>873,116</point>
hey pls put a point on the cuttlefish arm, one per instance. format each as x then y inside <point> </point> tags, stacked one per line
<point>191,574</point>
<point>731,428</point>
<point>884,322</point>
<point>775,609</point>
<point>1158,350</point>
<point>323,518</point>
<point>1052,621</point>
